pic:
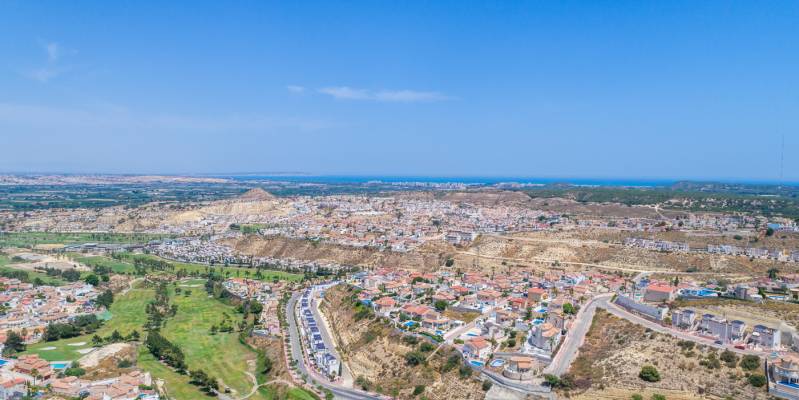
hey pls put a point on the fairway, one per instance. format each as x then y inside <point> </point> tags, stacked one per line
<point>29,239</point>
<point>127,314</point>
<point>220,355</point>
<point>229,271</point>
<point>119,267</point>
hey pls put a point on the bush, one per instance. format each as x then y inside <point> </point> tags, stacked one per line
<point>750,362</point>
<point>729,358</point>
<point>426,347</point>
<point>757,380</point>
<point>418,389</point>
<point>637,397</point>
<point>487,385</point>
<point>124,363</point>
<point>414,358</point>
<point>649,373</point>
<point>658,397</point>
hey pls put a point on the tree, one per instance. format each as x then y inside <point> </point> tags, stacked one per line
<point>440,305</point>
<point>750,362</point>
<point>418,389</point>
<point>105,299</point>
<point>568,308</point>
<point>92,279</point>
<point>649,373</point>
<point>757,380</point>
<point>13,344</point>
<point>769,231</point>
<point>772,273</point>
<point>414,358</point>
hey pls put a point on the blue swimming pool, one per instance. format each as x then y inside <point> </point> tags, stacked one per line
<point>538,321</point>
<point>791,384</point>
<point>409,324</point>
<point>476,363</point>
<point>471,334</point>
<point>498,363</point>
<point>3,362</point>
<point>61,365</point>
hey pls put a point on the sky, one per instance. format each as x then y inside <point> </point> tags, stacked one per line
<point>622,89</point>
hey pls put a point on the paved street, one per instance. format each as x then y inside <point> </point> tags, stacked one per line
<point>297,355</point>
<point>574,337</point>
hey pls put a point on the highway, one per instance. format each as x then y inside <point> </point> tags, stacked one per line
<point>297,355</point>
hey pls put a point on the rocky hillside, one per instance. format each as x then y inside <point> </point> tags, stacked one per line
<point>615,351</point>
<point>427,259</point>
<point>383,360</point>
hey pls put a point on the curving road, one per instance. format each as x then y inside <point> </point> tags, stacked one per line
<point>297,355</point>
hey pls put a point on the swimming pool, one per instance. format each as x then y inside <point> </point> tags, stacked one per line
<point>61,365</point>
<point>498,363</point>
<point>476,363</point>
<point>538,321</point>
<point>409,324</point>
<point>3,362</point>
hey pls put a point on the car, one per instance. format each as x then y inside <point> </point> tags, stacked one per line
<point>718,342</point>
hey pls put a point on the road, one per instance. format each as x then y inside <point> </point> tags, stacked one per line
<point>347,379</point>
<point>575,336</point>
<point>297,355</point>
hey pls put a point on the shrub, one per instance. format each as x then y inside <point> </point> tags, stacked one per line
<point>487,385</point>
<point>426,347</point>
<point>657,396</point>
<point>729,358</point>
<point>757,380</point>
<point>636,397</point>
<point>414,358</point>
<point>418,389</point>
<point>124,363</point>
<point>750,362</point>
<point>649,373</point>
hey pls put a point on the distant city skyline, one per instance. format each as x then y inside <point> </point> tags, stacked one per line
<point>625,90</point>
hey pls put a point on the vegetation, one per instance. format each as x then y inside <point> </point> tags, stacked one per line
<point>757,380</point>
<point>750,362</point>
<point>649,373</point>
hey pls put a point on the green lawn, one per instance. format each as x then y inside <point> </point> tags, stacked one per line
<point>234,272</point>
<point>29,239</point>
<point>221,355</point>
<point>127,314</point>
<point>119,267</point>
<point>48,280</point>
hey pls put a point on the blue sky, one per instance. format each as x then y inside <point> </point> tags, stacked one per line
<point>550,89</point>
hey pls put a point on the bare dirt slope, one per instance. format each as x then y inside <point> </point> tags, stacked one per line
<point>310,250</point>
<point>376,354</point>
<point>615,350</point>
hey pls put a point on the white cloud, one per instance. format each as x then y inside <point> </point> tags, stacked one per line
<point>395,96</point>
<point>53,51</point>
<point>53,68</point>
<point>410,96</point>
<point>346,93</point>
<point>296,89</point>
<point>44,74</point>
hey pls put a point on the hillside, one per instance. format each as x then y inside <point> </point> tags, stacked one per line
<point>376,354</point>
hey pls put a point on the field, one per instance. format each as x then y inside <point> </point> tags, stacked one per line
<point>221,355</point>
<point>30,239</point>
<point>119,267</point>
<point>47,280</point>
<point>229,271</point>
